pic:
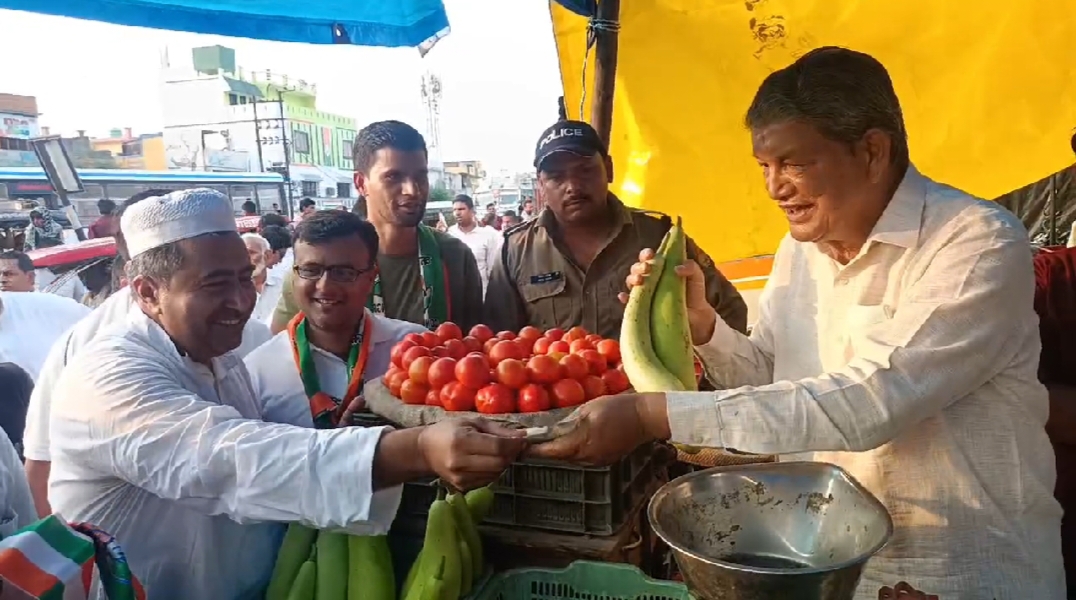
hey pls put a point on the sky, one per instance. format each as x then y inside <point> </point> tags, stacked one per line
<point>498,69</point>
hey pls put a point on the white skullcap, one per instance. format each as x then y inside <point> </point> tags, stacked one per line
<point>160,220</point>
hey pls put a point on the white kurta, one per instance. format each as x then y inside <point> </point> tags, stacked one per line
<point>914,368</point>
<point>174,460</point>
<point>275,376</point>
<point>16,504</point>
<point>30,322</point>
<point>114,310</point>
<point>485,244</point>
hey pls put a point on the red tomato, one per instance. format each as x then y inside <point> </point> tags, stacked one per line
<point>554,334</point>
<point>506,335</point>
<point>396,381</point>
<point>512,373</point>
<point>593,338</point>
<point>439,352</point>
<point>441,373</point>
<point>596,361</point>
<point>393,369</point>
<point>472,344</point>
<point>455,349</point>
<point>433,398</point>
<point>448,331</point>
<point>594,387</point>
<point>456,396</point>
<point>526,346</point>
<point>559,346</point>
<point>541,345</point>
<point>488,345</point>
<point>503,350</point>
<point>615,381</point>
<point>481,333</point>
<point>574,366</point>
<point>578,346</point>
<point>575,333</point>
<point>411,354</point>
<point>534,398</point>
<point>430,339</point>
<point>543,369</point>
<point>396,356</point>
<point>557,355</point>
<point>413,392</point>
<point>495,399</point>
<point>568,392</point>
<point>414,338</point>
<point>530,333</point>
<point>420,369</point>
<point>610,349</point>
<point>472,371</point>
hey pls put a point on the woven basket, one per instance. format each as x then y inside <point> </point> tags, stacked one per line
<point>712,457</point>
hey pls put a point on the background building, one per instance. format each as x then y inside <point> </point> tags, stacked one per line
<point>128,151</point>
<point>219,117</point>
<point>18,123</point>
<point>464,176</point>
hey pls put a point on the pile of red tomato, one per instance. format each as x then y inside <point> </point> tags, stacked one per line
<point>529,371</point>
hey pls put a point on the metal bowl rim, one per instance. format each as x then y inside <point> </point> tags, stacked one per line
<point>665,490</point>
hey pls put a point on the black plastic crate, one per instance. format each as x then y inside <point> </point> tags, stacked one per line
<point>555,495</point>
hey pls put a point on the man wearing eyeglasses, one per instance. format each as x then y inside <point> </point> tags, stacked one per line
<point>313,372</point>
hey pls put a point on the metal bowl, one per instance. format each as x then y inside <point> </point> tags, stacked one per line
<point>788,531</point>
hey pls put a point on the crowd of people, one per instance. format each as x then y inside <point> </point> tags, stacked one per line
<point>207,403</point>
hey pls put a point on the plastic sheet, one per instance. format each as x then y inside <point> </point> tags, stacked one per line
<point>986,88</point>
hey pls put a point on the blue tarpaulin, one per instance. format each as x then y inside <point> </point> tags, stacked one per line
<point>392,23</point>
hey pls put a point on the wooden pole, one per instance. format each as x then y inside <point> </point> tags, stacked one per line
<point>606,39</point>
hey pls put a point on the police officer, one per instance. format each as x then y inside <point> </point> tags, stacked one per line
<point>566,267</point>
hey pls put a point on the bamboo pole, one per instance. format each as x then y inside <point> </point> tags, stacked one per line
<point>606,41</point>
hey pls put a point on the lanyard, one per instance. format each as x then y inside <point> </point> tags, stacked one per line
<point>436,304</point>
<point>325,409</point>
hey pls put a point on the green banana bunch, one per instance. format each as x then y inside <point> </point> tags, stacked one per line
<point>329,565</point>
<point>452,559</point>
<point>655,336</point>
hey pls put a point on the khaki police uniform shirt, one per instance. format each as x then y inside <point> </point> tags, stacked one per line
<point>535,282</point>
<point>401,283</point>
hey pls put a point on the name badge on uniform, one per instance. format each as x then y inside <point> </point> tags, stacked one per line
<point>546,277</point>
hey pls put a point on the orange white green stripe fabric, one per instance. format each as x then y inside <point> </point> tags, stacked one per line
<point>48,560</point>
<point>51,560</point>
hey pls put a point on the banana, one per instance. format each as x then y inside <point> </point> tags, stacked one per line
<point>669,328</point>
<point>440,556</point>
<point>370,575</point>
<point>645,371</point>
<point>332,566</point>
<point>467,531</point>
<point>293,553</point>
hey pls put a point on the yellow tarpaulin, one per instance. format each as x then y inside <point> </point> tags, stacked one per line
<point>988,91</point>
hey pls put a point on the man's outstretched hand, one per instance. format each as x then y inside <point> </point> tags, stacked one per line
<point>468,453</point>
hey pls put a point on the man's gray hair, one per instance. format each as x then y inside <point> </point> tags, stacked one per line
<point>841,92</point>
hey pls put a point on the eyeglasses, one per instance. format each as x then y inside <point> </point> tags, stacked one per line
<point>338,274</point>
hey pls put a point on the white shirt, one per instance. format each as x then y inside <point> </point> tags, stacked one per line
<point>485,244</point>
<point>173,459</point>
<point>72,287</point>
<point>267,301</point>
<point>276,377</point>
<point>16,504</point>
<point>30,322</point>
<point>113,310</point>
<point>913,367</point>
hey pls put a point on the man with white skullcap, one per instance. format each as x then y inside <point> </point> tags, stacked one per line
<point>114,309</point>
<point>158,439</point>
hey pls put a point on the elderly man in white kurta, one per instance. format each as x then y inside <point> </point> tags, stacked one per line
<point>158,438</point>
<point>114,310</point>
<point>896,338</point>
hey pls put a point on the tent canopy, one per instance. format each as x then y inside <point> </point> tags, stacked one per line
<point>392,23</point>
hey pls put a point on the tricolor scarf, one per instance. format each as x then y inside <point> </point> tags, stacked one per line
<point>51,560</point>
<point>436,305</point>
<point>325,409</point>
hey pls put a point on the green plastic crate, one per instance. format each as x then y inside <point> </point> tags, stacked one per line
<point>582,580</point>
